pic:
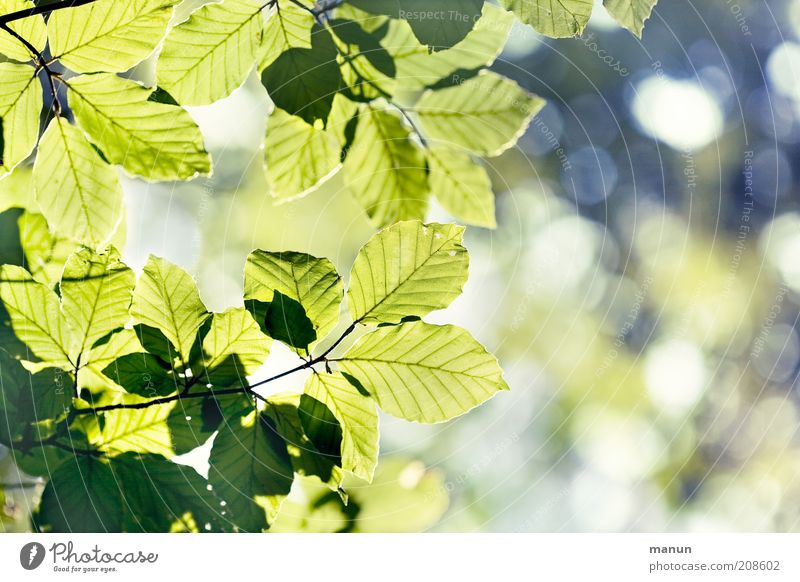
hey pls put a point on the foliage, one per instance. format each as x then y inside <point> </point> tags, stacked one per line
<point>105,379</point>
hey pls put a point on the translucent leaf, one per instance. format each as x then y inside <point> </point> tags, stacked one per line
<point>554,18</point>
<point>108,35</point>
<point>79,193</point>
<point>142,374</point>
<point>149,139</point>
<point>355,413</point>
<point>367,68</point>
<point>462,186</point>
<point>31,29</point>
<point>234,348</point>
<point>35,314</point>
<point>210,55</point>
<point>485,114</point>
<point>408,269</point>
<point>96,291</point>
<point>287,28</point>
<point>101,356</point>
<point>313,283</point>
<point>417,67</point>
<point>45,253</point>
<point>385,169</point>
<point>249,461</point>
<point>135,430</point>
<point>424,373</point>
<point>20,107</point>
<point>631,14</point>
<point>299,157</point>
<point>93,494</point>
<point>167,299</point>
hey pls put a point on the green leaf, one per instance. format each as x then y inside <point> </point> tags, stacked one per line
<point>424,373</point>
<point>436,26</point>
<point>96,291</point>
<point>167,299</point>
<point>286,321</point>
<point>249,461</point>
<point>79,193</point>
<point>367,68</point>
<point>408,269</point>
<point>82,496</point>
<point>35,314</point>
<point>149,139</point>
<point>631,14</point>
<point>193,421</point>
<point>554,18</point>
<point>299,157</point>
<point>108,35</point>
<point>287,28</point>
<point>311,282</point>
<point>20,106</point>
<point>119,344</point>
<point>385,169</point>
<point>135,430</point>
<point>462,186</point>
<point>31,29</point>
<point>485,114</point>
<point>141,374</point>
<point>417,67</point>
<point>355,413</point>
<point>210,55</point>
<point>234,348</point>
<point>162,496</point>
<point>45,253</point>
<point>304,81</point>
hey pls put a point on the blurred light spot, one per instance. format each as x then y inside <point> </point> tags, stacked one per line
<point>783,69</point>
<point>781,247</point>
<point>772,176</point>
<point>600,503</point>
<point>675,375</point>
<point>601,19</point>
<point>776,353</point>
<point>680,113</point>
<point>592,175</point>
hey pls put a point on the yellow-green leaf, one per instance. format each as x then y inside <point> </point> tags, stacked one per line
<point>210,55</point>
<point>287,28</point>
<point>153,140</point>
<point>108,35</point>
<point>299,157</point>
<point>31,29</point>
<point>167,299</point>
<point>385,169</point>
<point>408,269</point>
<point>554,18</point>
<point>78,192</point>
<point>631,14</point>
<point>462,186</point>
<point>234,348</point>
<point>20,107</point>
<point>485,114</point>
<point>424,373</point>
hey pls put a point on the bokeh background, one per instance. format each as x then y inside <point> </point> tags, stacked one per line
<point>641,290</point>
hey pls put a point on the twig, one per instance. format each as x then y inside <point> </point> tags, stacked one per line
<point>41,63</point>
<point>42,9</point>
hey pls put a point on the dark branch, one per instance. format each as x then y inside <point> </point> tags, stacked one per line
<point>42,9</point>
<point>41,63</point>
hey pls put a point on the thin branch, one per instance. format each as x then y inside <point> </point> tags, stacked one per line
<point>41,63</point>
<point>26,485</point>
<point>42,9</point>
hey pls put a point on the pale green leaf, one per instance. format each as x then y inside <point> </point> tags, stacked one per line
<point>120,344</point>
<point>631,14</point>
<point>16,190</point>
<point>79,193</point>
<point>462,186</point>
<point>154,140</point>
<point>312,283</point>
<point>287,28</point>
<point>299,157</point>
<point>234,348</point>
<point>385,169</point>
<point>35,314</point>
<point>249,461</point>
<point>96,291</point>
<point>485,114</point>
<point>210,55</point>
<point>45,253</point>
<point>108,35</point>
<point>31,29</point>
<point>417,67</point>
<point>167,299</point>
<point>135,430</point>
<point>554,18</point>
<point>20,106</point>
<point>424,373</point>
<point>408,269</point>
<point>356,415</point>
